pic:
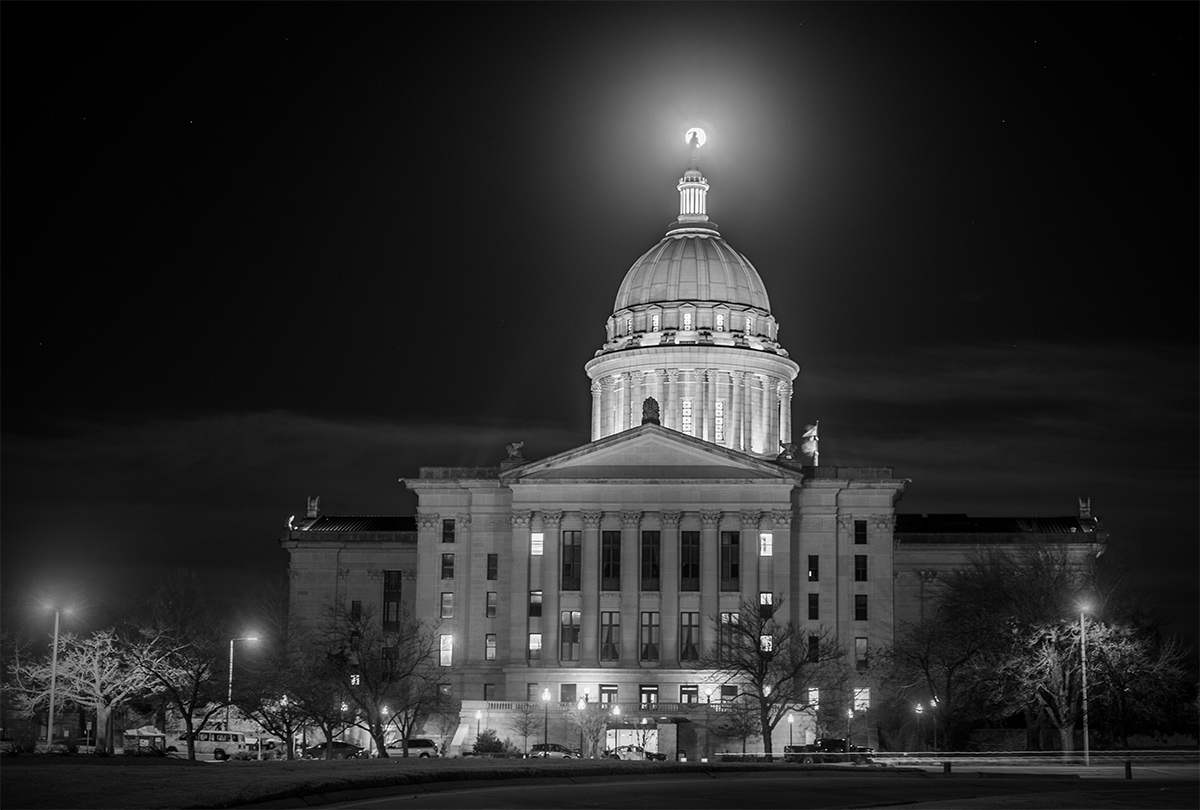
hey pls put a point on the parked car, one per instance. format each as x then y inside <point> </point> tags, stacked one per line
<point>827,750</point>
<point>341,750</point>
<point>417,747</point>
<point>552,751</point>
<point>635,753</point>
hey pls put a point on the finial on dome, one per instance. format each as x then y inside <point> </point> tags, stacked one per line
<point>694,138</point>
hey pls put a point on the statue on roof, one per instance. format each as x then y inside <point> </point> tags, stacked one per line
<point>514,451</point>
<point>650,411</point>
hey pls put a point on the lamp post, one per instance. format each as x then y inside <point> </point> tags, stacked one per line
<point>581,706</point>
<point>478,720</point>
<point>849,717</point>
<point>53,678</point>
<point>791,728</point>
<point>1083,663</point>
<point>546,715</point>
<point>933,704</point>
<point>708,695</point>
<point>230,695</point>
<point>920,712</point>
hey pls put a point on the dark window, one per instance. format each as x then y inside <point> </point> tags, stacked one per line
<point>860,567</point>
<point>689,561</point>
<point>814,568</point>
<point>532,694</point>
<point>610,561</point>
<point>729,692</point>
<point>490,610</point>
<point>649,636</point>
<point>535,604</point>
<point>860,532</point>
<point>493,566</point>
<point>860,607</point>
<point>651,551</point>
<point>569,637</point>
<point>566,693</point>
<point>356,611</point>
<point>814,607</point>
<point>448,531</point>
<point>814,648</point>
<point>610,636</point>
<point>730,561</point>
<point>689,636</point>
<point>489,691</point>
<point>391,601</point>
<point>447,605</point>
<point>447,566</point>
<point>726,642</point>
<point>571,560</point>
<point>860,653</point>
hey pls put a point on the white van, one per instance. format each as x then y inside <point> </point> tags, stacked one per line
<point>219,744</point>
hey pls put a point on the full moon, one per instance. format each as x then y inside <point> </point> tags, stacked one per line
<point>701,136</point>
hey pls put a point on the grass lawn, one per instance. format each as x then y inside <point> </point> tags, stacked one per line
<point>82,781</point>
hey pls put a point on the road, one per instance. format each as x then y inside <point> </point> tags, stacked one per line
<point>1169,787</point>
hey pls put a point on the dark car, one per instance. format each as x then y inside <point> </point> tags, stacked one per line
<point>827,750</point>
<point>552,751</point>
<point>341,750</point>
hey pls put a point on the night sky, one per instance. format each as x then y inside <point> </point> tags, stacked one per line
<point>257,252</point>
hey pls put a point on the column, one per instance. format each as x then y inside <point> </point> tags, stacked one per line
<point>636,396</point>
<point>748,412</point>
<point>710,568</point>
<point>630,626</point>
<point>670,408</point>
<point>669,588</point>
<point>589,591</point>
<point>622,402</point>
<point>780,565</point>
<point>597,428</point>
<point>704,412</point>
<point>749,555</point>
<point>607,400</point>
<point>737,420</point>
<point>551,568</point>
<point>429,560</point>
<point>519,597</point>
<point>785,411</point>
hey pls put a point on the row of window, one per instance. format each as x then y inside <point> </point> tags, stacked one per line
<point>686,322</point>
<point>860,526</point>
<point>649,694</point>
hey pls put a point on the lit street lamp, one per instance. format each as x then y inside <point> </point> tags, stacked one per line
<point>53,678</point>
<point>933,704</point>
<point>791,728</point>
<point>1083,663</point>
<point>582,707</point>
<point>478,720</point>
<point>230,695</point>
<point>546,715</point>
<point>849,717</point>
<point>920,712</point>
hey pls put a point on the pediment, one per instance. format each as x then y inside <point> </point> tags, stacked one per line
<point>650,452</point>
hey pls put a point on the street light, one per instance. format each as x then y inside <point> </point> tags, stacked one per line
<point>54,677</point>
<point>546,715</point>
<point>478,720</point>
<point>708,695</point>
<point>920,711</point>
<point>582,707</point>
<point>791,727</point>
<point>1083,661</point>
<point>230,695</point>
<point>933,704</point>
<point>849,717</point>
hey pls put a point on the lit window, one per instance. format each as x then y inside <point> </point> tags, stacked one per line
<point>629,325</point>
<point>535,646</point>
<point>687,321</point>
<point>720,321</point>
<point>726,642</point>
<point>689,693</point>
<point>535,603</point>
<point>719,421</point>
<point>648,694</point>
<point>447,604</point>
<point>536,542</point>
<point>685,422</point>
<point>766,642</point>
<point>491,611</point>
<point>814,568</point>
<point>489,651</point>
<point>766,604</point>
<point>749,325</point>
<point>860,652</point>
<point>654,322</point>
<point>862,698</point>
<point>764,544</point>
<point>569,636</point>
<point>447,650</point>
<point>355,680</point>
<point>649,639</point>
<point>814,697</point>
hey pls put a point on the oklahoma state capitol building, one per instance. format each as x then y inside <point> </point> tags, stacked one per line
<point>603,572</point>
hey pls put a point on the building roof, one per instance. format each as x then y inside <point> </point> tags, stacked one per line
<point>964,524</point>
<point>356,523</point>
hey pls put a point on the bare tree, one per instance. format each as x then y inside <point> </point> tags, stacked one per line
<point>97,672</point>
<point>739,720</point>
<point>1140,680</point>
<point>526,720</point>
<point>389,671</point>
<point>592,721</point>
<point>773,663</point>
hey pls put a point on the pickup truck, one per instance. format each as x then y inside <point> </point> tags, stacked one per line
<point>827,750</point>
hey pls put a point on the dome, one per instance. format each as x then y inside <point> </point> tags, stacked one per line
<point>693,265</point>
